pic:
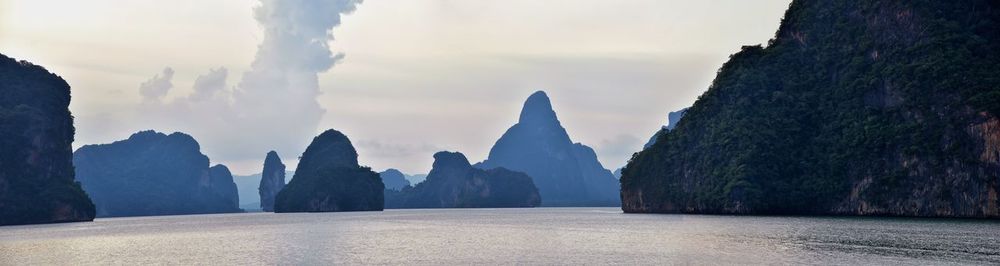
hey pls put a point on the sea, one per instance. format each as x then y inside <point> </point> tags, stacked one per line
<point>532,236</point>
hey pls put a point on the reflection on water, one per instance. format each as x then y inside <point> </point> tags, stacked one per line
<point>509,236</point>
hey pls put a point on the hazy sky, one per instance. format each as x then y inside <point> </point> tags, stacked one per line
<point>416,77</point>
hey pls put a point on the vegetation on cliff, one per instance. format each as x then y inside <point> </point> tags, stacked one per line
<point>329,179</point>
<point>394,179</point>
<point>856,107</point>
<point>36,159</point>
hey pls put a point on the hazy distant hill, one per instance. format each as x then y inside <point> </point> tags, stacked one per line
<point>454,183</point>
<point>416,178</point>
<point>152,173</point>
<point>855,107</point>
<point>566,173</point>
<point>36,161</point>
<point>394,179</point>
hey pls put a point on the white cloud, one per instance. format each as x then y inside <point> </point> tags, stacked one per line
<point>157,86</point>
<point>211,86</point>
<point>274,105</point>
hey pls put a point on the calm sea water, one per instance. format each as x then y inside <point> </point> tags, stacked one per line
<point>501,236</point>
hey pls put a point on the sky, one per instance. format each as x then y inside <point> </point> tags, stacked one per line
<point>402,79</point>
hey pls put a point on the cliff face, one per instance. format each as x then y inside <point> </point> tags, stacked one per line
<point>329,179</point>
<point>855,108</point>
<point>272,181</point>
<point>152,173</point>
<point>566,173</point>
<point>221,183</point>
<point>394,179</point>
<point>454,183</point>
<point>36,132</point>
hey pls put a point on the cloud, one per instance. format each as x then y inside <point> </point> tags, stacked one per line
<point>274,105</point>
<point>384,149</point>
<point>157,86</point>
<point>211,86</point>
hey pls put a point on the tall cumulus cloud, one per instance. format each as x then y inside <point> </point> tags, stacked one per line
<point>273,106</point>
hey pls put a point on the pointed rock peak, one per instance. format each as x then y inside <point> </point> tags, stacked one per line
<point>446,159</point>
<point>538,108</point>
<point>272,157</point>
<point>272,180</point>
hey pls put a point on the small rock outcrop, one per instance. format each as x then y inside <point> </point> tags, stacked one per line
<point>329,179</point>
<point>566,173</point>
<point>272,180</point>
<point>672,119</point>
<point>454,183</point>
<point>394,179</point>
<point>152,173</point>
<point>36,159</point>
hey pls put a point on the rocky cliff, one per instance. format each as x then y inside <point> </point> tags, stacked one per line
<point>566,173</point>
<point>272,180</point>
<point>36,133</point>
<point>329,179</point>
<point>854,108</point>
<point>394,179</point>
<point>152,173</point>
<point>221,183</point>
<point>454,183</point>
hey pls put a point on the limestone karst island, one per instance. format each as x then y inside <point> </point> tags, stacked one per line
<point>437,132</point>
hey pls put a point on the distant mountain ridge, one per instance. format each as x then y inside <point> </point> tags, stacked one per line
<point>415,178</point>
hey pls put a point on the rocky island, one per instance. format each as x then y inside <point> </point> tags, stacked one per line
<point>454,183</point>
<point>152,173</point>
<point>854,108</point>
<point>272,180</point>
<point>37,182</point>
<point>566,173</point>
<point>329,179</point>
